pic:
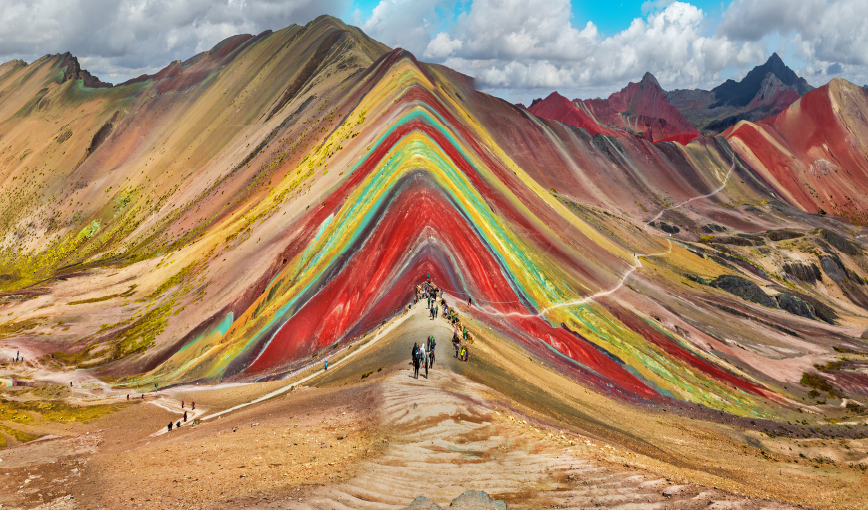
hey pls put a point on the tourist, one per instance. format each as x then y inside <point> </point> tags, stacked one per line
<point>415,357</point>
<point>185,416</point>
<point>170,426</point>
<point>431,344</point>
<point>423,358</point>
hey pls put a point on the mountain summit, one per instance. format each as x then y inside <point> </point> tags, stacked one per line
<point>639,109</point>
<point>732,93</point>
<point>764,92</point>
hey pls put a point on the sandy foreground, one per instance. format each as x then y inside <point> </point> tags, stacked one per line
<point>366,434</point>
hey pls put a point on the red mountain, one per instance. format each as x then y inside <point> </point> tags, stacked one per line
<point>646,105</point>
<point>811,154</point>
<point>640,109</point>
<point>557,107</point>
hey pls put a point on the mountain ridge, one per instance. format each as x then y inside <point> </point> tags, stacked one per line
<point>764,92</point>
<point>282,195</point>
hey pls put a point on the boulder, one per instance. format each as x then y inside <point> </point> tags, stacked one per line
<point>795,306</point>
<point>477,500</point>
<point>423,503</point>
<point>745,289</point>
<point>470,500</point>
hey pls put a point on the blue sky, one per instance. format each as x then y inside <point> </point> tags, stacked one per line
<point>516,49</point>
<point>610,17</point>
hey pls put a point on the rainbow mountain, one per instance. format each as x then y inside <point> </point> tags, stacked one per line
<point>280,195</point>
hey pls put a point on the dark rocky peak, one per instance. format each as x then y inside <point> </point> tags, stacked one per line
<point>75,72</point>
<point>535,101</point>
<point>648,80</point>
<point>732,93</point>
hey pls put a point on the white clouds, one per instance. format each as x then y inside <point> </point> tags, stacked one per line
<point>442,46</point>
<point>821,32</point>
<point>509,45</point>
<point>516,46</point>
<point>532,44</point>
<point>117,40</point>
<point>409,24</point>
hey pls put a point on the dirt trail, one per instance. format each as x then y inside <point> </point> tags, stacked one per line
<point>447,440</point>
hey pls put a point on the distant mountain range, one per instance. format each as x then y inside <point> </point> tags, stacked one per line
<point>644,109</point>
<point>766,91</point>
<point>639,108</point>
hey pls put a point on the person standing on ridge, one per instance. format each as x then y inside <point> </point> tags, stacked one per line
<point>424,358</point>
<point>431,344</point>
<point>415,358</point>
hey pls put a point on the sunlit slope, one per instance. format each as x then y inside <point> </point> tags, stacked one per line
<point>430,192</point>
<point>166,167</point>
<point>238,213</point>
<point>813,154</point>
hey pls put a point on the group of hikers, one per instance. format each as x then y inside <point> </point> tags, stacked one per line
<point>423,355</point>
<point>178,425</point>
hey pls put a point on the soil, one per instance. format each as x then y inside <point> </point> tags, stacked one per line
<point>366,434</point>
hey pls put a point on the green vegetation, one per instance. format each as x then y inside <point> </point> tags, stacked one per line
<point>92,300</point>
<point>52,411</point>
<point>13,328</point>
<point>818,382</point>
<point>19,436</point>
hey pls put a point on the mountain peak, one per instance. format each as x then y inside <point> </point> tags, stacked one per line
<point>775,59</point>
<point>75,72</point>
<point>649,78</point>
<point>739,94</point>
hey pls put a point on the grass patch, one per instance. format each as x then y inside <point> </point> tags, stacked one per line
<point>22,437</point>
<point>92,300</point>
<point>818,382</point>
<point>12,328</point>
<point>53,411</point>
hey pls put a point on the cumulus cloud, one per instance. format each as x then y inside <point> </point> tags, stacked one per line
<point>442,46</point>
<point>525,45</point>
<point>830,35</point>
<point>409,24</point>
<point>120,39</point>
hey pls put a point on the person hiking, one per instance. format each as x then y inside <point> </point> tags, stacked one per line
<point>415,358</point>
<point>423,358</point>
<point>193,405</point>
<point>182,404</point>
<point>185,416</point>
<point>170,426</point>
<point>431,344</point>
<point>128,396</point>
<point>469,301</point>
